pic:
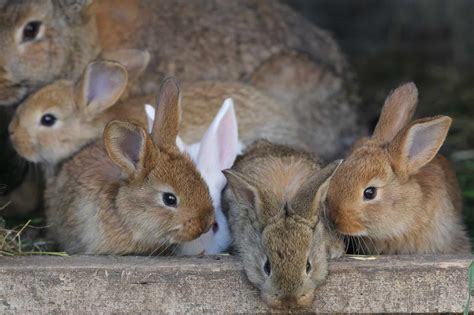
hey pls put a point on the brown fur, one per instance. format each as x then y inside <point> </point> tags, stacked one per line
<point>202,100</point>
<point>274,199</point>
<point>68,44</point>
<point>110,203</point>
<point>418,205</point>
<point>256,41</point>
<point>283,59</point>
<point>79,122</point>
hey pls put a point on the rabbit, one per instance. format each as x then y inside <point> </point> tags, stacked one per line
<point>61,118</point>
<point>394,193</point>
<point>62,103</point>
<point>42,41</point>
<point>215,152</point>
<point>134,193</point>
<point>265,44</point>
<point>274,201</point>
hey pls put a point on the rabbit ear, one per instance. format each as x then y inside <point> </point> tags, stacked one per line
<point>419,143</point>
<point>101,87</point>
<point>168,115</point>
<point>241,187</point>
<point>150,116</point>
<point>220,144</point>
<point>126,144</point>
<point>134,61</point>
<point>397,112</point>
<point>313,192</point>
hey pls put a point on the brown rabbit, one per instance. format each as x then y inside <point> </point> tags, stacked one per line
<point>394,191</point>
<point>274,201</point>
<point>243,40</point>
<point>61,118</point>
<point>137,195</point>
<point>42,41</point>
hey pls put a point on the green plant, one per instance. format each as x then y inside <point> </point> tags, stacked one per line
<point>467,308</point>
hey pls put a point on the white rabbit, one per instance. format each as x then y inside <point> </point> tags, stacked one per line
<point>215,152</point>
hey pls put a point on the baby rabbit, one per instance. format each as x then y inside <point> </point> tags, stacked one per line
<point>216,152</point>
<point>274,200</point>
<point>60,119</point>
<point>394,191</point>
<point>135,193</point>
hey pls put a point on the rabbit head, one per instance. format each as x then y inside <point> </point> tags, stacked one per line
<point>214,153</point>
<point>281,237</point>
<point>62,117</point>
<point>372,193</point>
<point>158,177</point>
<point>42,41</point>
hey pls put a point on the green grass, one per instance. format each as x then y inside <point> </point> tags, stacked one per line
<point>467,307</point>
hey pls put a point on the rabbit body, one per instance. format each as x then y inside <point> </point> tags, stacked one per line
<point>274,201</point>
<point>134,193</point>
<point>394,191</point>
<point>263,43</point>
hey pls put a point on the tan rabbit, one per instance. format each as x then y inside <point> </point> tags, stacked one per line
<point>262,42</point>
<point>274,201</point>
<point>61,118</point>
<point>394,192</point>
<point>42,41</point>
<point>139,194</point>
<point>246,40</point>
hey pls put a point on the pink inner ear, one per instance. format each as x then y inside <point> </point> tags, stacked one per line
<point>220,145</point>
<point>228,140</point>
<point>424,142</point>
<point>100,85</point>
<point>130,145</point>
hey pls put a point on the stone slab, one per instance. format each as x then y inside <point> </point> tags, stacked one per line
<point>102,284</point>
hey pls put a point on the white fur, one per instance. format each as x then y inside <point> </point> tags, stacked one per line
<point>215,152</point>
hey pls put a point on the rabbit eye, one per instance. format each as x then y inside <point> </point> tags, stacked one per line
<point>31,31</point>
<point>370,193</point>
<point>170,200</point>
<point>308,266</point>
<point>267,267</point>
<point>48,120</point>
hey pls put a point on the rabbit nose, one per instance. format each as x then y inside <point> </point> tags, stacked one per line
<point>292,302</point>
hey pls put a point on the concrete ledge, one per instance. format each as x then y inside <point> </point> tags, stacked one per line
<point>218,284</point>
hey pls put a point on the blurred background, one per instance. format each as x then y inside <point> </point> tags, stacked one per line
<point>430,42</point>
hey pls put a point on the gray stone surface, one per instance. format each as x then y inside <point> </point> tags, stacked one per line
<point>218,284</point>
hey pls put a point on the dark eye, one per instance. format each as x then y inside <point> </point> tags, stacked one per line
<point>170,200</point>
<point>31,31</point>
<point>48,120</point>
<point>267,268</point>
<point>370,193</point>
<point>308,266</point>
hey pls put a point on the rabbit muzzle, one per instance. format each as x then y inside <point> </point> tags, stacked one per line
<point>194,227</point>
<point>11,94</point>
<point>301,301</point>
